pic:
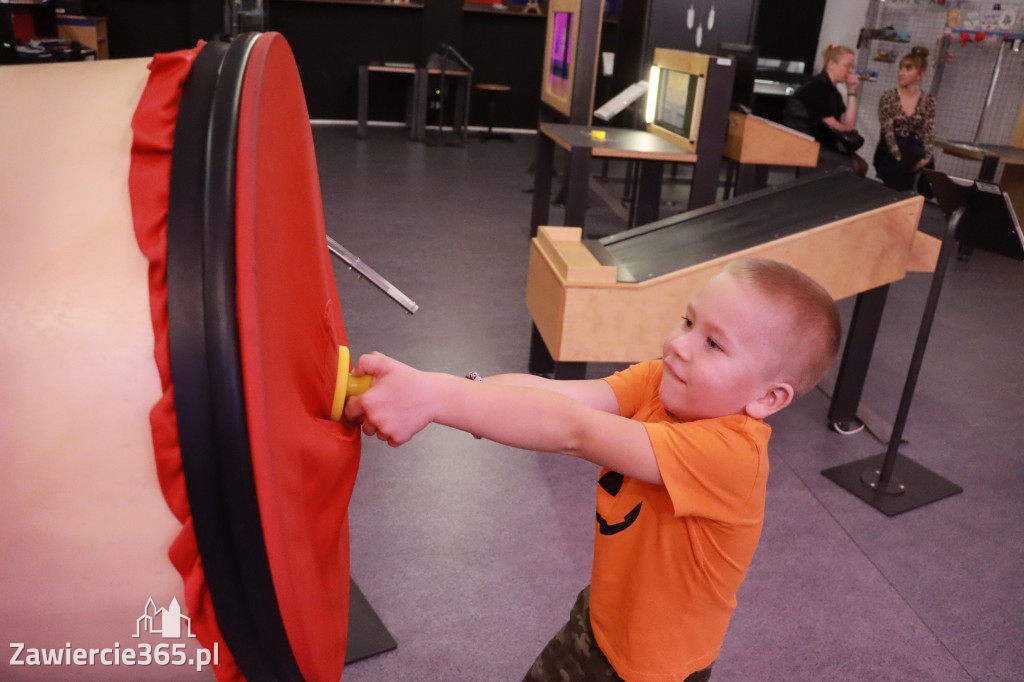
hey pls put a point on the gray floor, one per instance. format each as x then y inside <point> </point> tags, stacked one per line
<point>472,553</point>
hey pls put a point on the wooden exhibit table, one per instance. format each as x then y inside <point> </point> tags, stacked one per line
<point>615,299</point>
<point>991,155</point>
<point>647,148</point>
<point>89,31</point>
<point>756,143</point>
<point>416,97</point>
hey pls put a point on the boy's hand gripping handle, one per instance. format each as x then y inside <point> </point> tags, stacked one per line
<point>346,384</point>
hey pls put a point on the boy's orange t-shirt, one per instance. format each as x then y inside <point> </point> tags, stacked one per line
<point>669,558</point>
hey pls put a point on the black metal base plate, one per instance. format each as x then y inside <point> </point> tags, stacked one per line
<point>367,634</point>
<point>920,486</point>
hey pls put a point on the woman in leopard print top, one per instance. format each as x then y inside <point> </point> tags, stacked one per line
<point>907,117</point>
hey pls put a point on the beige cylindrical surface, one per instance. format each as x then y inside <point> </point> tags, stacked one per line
<point>84,529</point>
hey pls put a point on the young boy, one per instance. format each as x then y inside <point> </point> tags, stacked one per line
<point>680,500</point>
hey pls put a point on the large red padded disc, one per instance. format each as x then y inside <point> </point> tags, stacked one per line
<point>290,327</point>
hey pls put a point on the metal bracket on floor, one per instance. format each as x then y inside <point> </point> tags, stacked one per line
<point>369,273</point>
<point>367,634</point>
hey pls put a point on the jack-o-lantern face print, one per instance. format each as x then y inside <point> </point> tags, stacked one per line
<point>611,482</point>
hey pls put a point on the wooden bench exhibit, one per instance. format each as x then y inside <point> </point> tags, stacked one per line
<point>755,140</point>
<point>615,299</point>
<point>756,143</point>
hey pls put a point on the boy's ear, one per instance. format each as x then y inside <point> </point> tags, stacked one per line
<point>775,397</point>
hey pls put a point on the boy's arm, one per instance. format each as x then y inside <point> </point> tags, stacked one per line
<point>594,393</point>
<point>402,401</point>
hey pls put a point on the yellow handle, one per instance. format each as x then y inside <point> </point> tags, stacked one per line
<point>346,384</point>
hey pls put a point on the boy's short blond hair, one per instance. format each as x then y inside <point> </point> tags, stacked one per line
<point>810,336</point>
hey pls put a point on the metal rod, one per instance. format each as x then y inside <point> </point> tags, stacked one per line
<point>919,347</point>
<point>369,273</point>
<point>991,91</point>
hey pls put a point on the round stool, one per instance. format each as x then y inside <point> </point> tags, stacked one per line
<point>491,90</point>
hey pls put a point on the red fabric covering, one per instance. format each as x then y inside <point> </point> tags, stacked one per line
<point>290,327</point>
<point>149,186</point>
<point>22,23</point>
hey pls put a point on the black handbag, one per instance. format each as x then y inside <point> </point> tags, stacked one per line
<point>843,141</point>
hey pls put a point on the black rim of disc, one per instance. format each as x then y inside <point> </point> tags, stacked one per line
<point>206,366</point>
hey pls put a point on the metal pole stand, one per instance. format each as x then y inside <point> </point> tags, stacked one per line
<point>357,264</point>
<point>888,482</point>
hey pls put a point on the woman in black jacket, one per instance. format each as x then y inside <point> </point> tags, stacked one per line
<point>818,108</point>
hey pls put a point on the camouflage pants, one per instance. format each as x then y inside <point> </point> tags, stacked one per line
<point>572,655</point>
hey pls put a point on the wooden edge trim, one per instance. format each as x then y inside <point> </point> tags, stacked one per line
<point>563,249</point>
<point>924,253</point>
